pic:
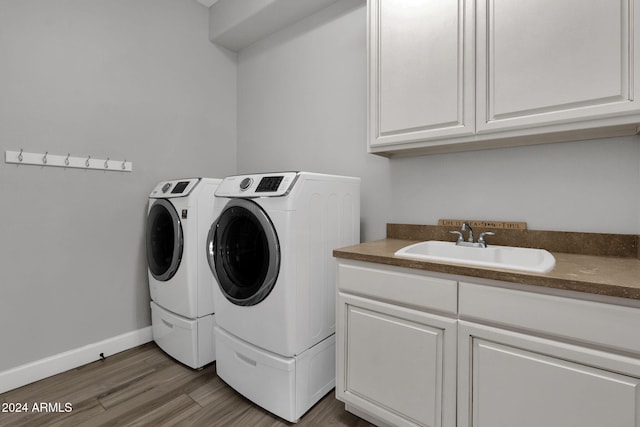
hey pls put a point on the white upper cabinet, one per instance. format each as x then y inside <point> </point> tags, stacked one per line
<point>528,72</point>
<point>550,61</point>
<point>421,70</point>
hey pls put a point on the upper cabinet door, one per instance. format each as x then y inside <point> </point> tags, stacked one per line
<point>421,70</point>
<point>542,62</point>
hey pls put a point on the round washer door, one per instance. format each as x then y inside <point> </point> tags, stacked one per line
<point>164,240</point>
<point>244,252</point>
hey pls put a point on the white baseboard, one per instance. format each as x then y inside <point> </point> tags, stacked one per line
<point>52,365</point>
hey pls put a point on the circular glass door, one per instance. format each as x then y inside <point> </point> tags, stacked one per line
<point>243,252</point>
<point>164,240</point>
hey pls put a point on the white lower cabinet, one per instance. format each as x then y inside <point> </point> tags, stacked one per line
<point>398,362</point>
<point>509,379</point>
<point>396,365</point>
<point>415,348</point>
<point>529,359</point>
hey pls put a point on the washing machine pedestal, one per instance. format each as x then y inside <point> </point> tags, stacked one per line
<point>285,386</point>
<point>189,341</point>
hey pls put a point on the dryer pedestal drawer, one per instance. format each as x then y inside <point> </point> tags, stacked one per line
<point>189,341</point>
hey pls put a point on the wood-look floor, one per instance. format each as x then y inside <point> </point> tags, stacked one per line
<point>143,386</point>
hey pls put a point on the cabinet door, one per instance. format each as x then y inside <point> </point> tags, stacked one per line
<point>396,364</point>
<point>421,70</point>
<point>516,380</point>
<point>554,62</point>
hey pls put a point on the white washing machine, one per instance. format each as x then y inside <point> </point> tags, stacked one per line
<point>270,249</point>
<point>180,281</point>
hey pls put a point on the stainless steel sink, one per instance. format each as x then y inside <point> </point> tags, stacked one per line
<point>507,257</point>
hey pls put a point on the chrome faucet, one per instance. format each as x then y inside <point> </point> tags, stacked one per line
<point>481,243</point>
<point>466,226</point>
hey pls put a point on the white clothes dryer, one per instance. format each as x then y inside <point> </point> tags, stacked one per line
<point>180,281</point>
<point>270,249</point>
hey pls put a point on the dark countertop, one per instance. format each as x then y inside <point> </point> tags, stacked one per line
<point>617,276</point>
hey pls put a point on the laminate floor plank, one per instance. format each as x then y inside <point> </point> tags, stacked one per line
<point>145,387</point>
<point>178,418</point>
<point>171,412</point>
<point>85,411</point>
<point>171,377</point>
<point>207,392</point>
<point>253,416</point>
<point>144,398</point>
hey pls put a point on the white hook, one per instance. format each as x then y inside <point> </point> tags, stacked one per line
<point>66,161</point>
<point>44,158</point>
<point>106,163</point>
<point>86,162</point>
<point>20,155</point>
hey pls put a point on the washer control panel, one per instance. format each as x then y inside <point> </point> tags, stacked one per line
<point>175,188</point>
<point>257,185</point>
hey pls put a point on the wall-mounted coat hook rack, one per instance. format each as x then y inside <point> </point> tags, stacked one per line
<point>38,159</point>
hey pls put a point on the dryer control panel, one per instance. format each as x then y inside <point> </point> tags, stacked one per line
<point>257,185</point>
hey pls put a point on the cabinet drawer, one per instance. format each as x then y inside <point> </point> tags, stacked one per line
<point>400,286</point>
<point>572,319</point>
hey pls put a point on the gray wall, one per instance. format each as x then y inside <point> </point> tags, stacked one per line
<point>578,186</point>
<point>302,105</point>
<point>135,80</point>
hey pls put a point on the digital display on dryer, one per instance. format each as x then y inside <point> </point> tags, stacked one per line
<point>269,184</point>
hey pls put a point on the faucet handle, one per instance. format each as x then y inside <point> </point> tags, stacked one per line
<point>460,237</point>
<point>481,240</point>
